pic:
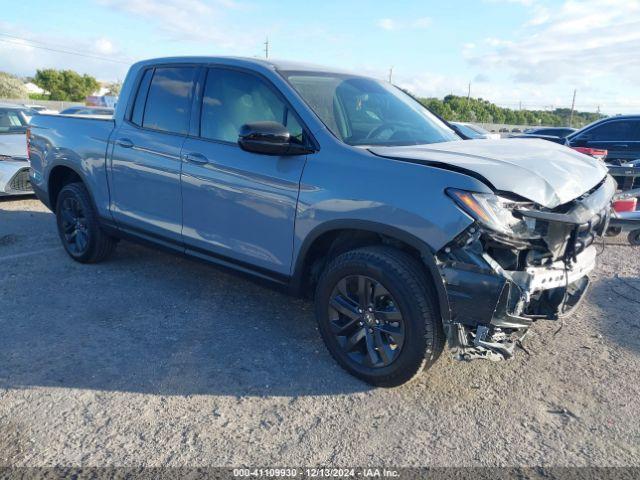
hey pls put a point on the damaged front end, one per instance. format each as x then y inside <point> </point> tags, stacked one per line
<point>518,263</point>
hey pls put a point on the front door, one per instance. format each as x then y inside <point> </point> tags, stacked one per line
<point>238,205</point>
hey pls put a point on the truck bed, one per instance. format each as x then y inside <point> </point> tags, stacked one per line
<point>77,141</point>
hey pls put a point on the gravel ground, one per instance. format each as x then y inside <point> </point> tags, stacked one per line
<point>150,359</point>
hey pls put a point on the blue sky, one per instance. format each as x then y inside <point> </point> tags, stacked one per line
<point>529,52</point>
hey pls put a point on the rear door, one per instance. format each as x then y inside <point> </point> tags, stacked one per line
<point>145,163</point>
<point>239,205</point>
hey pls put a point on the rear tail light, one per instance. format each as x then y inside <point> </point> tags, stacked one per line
<point>29,143</point>
<point>598,153</point>
<point>625,205</point>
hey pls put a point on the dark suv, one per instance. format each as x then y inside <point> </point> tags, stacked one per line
<point>620,136</point>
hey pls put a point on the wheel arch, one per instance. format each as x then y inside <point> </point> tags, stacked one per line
<point>60,176</point>
<point>334,237</point>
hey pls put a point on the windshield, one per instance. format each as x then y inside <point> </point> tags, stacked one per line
<point>363,111</point>
<point>12,120</point>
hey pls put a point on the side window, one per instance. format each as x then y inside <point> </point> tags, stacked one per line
<point>141,97</point>
<point>294,127</point>
<point>168,103</point>
<point>612,131</point>
<point>232,98</point>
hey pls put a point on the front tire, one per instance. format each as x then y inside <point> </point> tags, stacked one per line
<point>377,315</point>
<point>78,226</point>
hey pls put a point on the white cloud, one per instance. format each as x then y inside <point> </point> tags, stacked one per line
<point>526,3</point>
<point>191,20</point>
<point>104,46</point>
<point>423,22</point>
<point>23,52</point>
<point>416,24</point>
<point>386,24</point>
<point>577,42</point>
<point>539,15</point>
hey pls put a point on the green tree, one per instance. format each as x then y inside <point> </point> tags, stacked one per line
<point>11,86</point>
<point>114,88</point>
<point>466,109</point>
<point>66,84</point>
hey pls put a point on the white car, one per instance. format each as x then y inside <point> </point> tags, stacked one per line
<point>40,109</point>
<point>14,164</point>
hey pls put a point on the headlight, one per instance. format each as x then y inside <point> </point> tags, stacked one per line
<point>495,213</point>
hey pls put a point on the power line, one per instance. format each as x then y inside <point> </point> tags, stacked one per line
<point>44,46</point>
<point>573,106</point>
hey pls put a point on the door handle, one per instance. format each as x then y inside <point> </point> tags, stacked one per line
<point>621,145</point>
<point>124,143</point>
<point>197,158</point>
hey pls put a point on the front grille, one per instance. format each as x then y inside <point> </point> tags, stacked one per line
<point>20,181</point>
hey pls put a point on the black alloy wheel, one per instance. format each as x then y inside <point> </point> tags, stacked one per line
<point>74,226</point>
<point>377,314</point>
<point>366,321</point>
<point>80,231</point>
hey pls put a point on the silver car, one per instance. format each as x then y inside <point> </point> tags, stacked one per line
<point>14,164</point>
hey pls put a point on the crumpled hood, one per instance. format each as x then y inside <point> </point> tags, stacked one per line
<point>543,172</point>
<point>13,144</point>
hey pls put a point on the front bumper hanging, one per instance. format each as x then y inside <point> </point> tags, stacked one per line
<point>496,290</point>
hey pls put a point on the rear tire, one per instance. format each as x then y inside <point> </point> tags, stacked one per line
<point>78,226</point>
<point>393,335</point>
<point>634,237</point>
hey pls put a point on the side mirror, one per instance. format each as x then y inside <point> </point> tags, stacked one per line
<point>269,138</point>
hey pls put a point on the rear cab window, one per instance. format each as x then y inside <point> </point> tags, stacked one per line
<point>163,100</point>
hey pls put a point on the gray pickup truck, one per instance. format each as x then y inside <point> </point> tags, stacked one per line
<point>338,187</point>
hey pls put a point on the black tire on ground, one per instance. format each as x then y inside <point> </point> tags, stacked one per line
<point>74,206</point>
<point>634,237</point>
<point>413,296</point>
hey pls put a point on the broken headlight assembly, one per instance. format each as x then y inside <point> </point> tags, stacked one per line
<point>497,214</point>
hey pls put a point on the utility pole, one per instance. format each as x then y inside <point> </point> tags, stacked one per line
<point>573,105</point>
<point>391,74</point>
<point>469,92</point>
<point>266,48</point>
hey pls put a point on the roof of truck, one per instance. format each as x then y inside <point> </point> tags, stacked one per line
<point>286,65</point>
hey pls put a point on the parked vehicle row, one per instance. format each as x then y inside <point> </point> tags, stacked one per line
<point>335,186</point>
<point>82,110</point>
<point>560,132</point>
<point>473,131</point>
<point>619,136</point>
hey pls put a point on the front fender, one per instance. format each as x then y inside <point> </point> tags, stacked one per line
<point>351,189</point>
